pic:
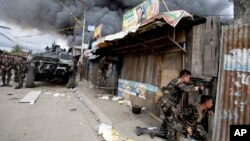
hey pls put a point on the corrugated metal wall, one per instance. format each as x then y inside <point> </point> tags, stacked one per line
<point>233,96</point>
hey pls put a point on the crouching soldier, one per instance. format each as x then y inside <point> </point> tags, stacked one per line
<point>21,71</point>
<point>171,97</point>
<point>191,117</point>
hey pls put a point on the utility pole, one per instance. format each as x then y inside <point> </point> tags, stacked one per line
<point>83,38</point>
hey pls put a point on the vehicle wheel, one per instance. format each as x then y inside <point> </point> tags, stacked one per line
<point>72,80</point>
<point>30,78</point>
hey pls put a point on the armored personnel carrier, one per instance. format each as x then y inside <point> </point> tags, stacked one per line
<point>55,65</point>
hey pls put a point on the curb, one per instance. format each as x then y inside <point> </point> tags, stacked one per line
<point>96,111</point>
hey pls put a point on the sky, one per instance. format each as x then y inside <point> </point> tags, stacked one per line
<point>36,43</point>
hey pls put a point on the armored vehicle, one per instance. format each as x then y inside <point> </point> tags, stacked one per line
<point>55,65</point>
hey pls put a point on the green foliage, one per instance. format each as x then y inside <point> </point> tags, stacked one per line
<point>16,50</point>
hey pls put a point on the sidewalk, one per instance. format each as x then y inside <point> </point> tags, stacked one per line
<point>119,116</point>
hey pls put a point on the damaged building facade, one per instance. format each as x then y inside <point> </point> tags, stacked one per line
<point>136,63</point>
<point>140,60</point>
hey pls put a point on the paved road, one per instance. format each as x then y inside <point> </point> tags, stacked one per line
<point>49,119</point>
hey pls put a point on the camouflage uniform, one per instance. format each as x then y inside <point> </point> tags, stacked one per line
<point>15,70</point>
<point>191,117</point>
<point>172,95</point>
<point>22,67</point>
<point>1,57</point>
<point>7,64</point>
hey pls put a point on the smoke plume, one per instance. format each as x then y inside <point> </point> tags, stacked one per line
<point>48,15</point>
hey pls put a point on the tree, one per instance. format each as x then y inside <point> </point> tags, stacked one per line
<point>16,50</point>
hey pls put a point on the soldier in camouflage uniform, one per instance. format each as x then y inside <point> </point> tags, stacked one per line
<point>15,69</point>
<point>172,95</point>
<point>22,67</point>
<point>1,63</point>
<point>191,117</point>
<point>7,65</point>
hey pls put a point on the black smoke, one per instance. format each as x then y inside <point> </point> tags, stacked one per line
<point>50,15</point>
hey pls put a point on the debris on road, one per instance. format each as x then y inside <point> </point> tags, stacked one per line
<point>105,97</point>
<point>110,134</point>
<point>73,110</point>
<point>116,98</point>
<point>9,94</point>
<point>105,131</point>
<point>125,102</point>
<point>56,94</point>
<point>31,97</point>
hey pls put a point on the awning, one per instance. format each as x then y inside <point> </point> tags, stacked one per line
<point>172,18</point>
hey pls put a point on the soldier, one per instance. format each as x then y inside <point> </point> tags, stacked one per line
<point>15,69</point>
<point>1,57</point>
<point>7,64</point>
<point>21,71</point>
<point>191,117</point>
<point>172,95</point>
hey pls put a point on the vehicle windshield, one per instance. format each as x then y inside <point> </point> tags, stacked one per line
<point>66,56</point>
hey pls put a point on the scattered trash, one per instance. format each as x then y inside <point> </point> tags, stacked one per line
<point>56,94</point>
<point>110,134</point>
<point>9,94</point>
<point>73,110</point>
<point>105,97</point>
<point>116,98</point>
<point>105,131</point>
<point>31,97</point>
<point>47,93</point>
<point>68,97</point>
<point>126,102</point>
